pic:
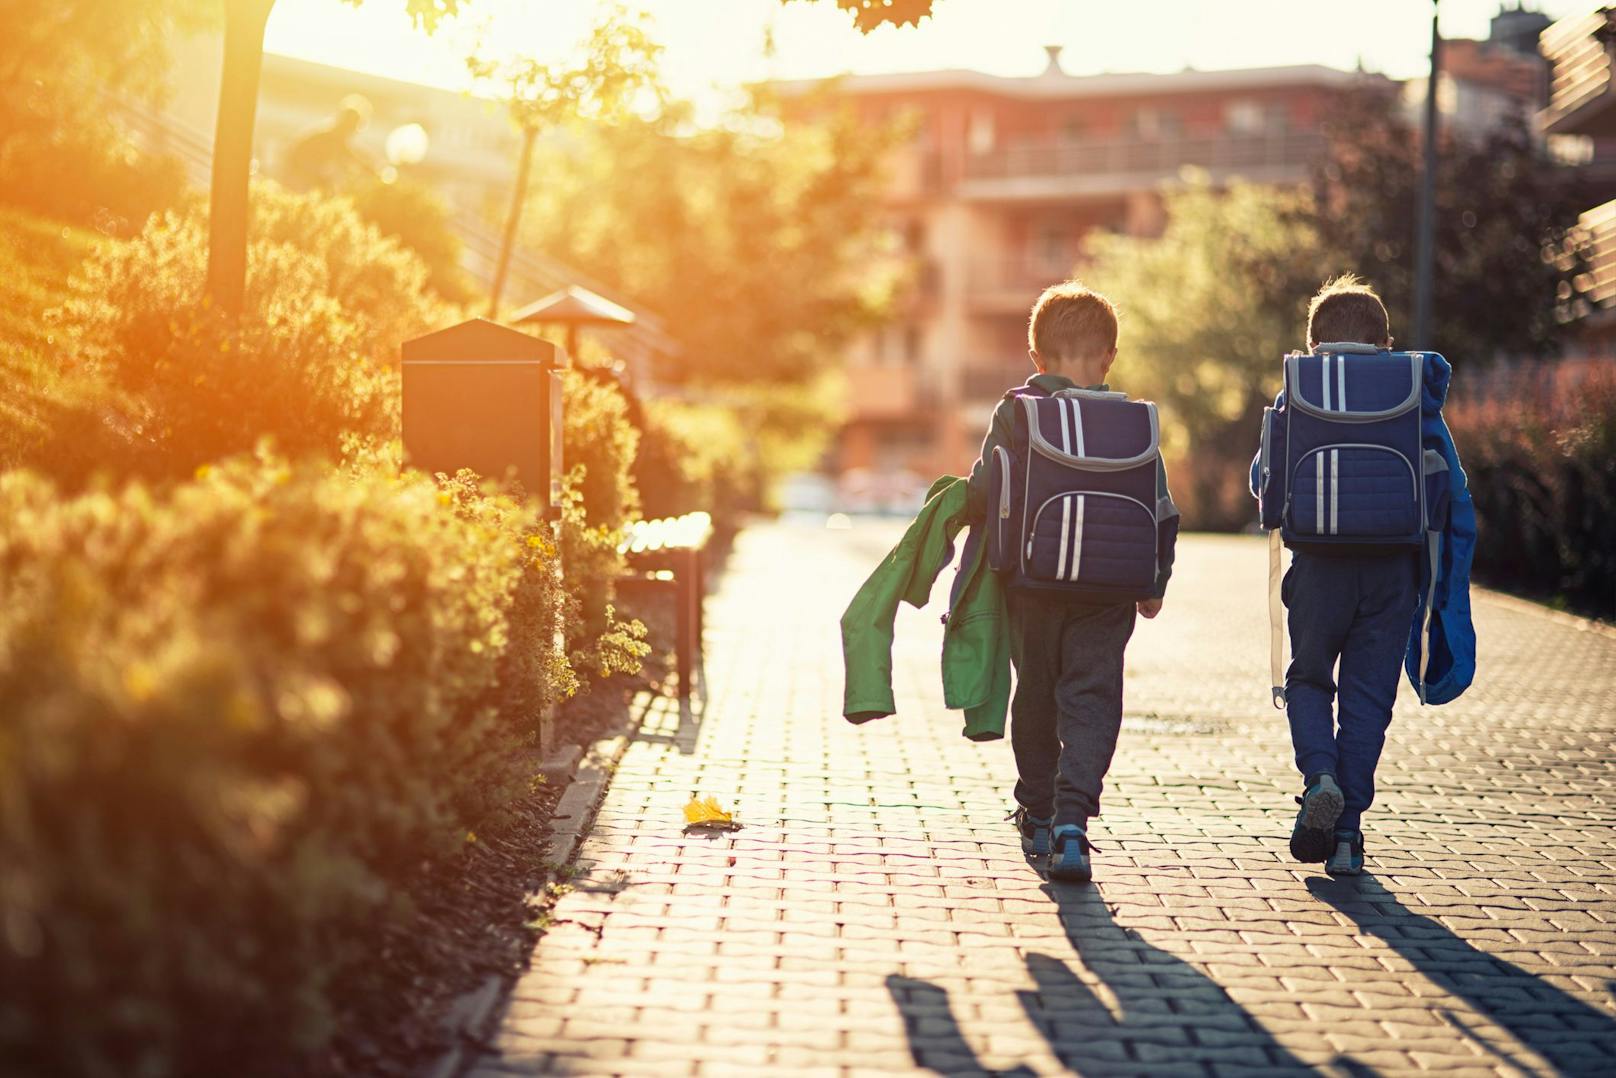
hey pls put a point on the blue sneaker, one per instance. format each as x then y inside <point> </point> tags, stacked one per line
<point>1313,837</point>
<point>1348,857</point>
<point>1034,832</point>
<point>1070,859</point>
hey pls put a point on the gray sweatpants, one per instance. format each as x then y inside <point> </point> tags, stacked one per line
<point>1067,709</point>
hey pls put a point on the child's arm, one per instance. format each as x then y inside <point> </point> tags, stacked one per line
<point>976,491</point>
<point>1166,542</point>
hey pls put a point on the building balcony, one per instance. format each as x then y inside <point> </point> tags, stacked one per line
<point>1113,167</point>
<point>890,393</point>
<point>1600,225</point>
<point>1579,52</point>
<point>1009,285</point>
<point>984,381</point>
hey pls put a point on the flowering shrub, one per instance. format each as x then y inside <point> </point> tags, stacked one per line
<point>328,302</point>
<point>237,713</point>
<point>1541,460</point>
<point>599,448</point>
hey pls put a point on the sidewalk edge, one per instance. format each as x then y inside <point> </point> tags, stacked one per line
<point>472,1014</point>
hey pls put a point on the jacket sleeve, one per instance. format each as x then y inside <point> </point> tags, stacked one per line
<point>1166,530</point>
<point>976,501</point>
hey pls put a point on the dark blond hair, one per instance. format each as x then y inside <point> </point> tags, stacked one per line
<point>1347,309</point>
<point>1070,321</point>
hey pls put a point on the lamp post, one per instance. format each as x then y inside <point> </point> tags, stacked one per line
<point>1425,228</point>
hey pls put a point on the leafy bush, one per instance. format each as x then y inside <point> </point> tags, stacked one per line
<point>1541,459</point>
<point>237,713</point>
<point>417,216</point>
<point>599,448</point>
<point>50,410</point>
<point>88,172</point>
<point>695,457</point>
<point>329,300</point>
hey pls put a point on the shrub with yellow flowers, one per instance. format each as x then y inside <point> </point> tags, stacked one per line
<point>239,710</point>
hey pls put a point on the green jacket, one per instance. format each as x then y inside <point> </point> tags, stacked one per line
<point>976,641</point>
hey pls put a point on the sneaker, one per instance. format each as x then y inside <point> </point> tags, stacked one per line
<point>1348,857</point>
<point>1034,832</point>
<point>1070,859</point>
<point>1313,837</point>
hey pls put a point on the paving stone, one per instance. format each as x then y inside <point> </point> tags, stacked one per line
<point>875,913</point>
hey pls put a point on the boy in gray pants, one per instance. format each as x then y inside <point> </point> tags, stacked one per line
<point>1067,709</point>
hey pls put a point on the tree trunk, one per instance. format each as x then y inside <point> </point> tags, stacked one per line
<point>512,220</point>
<point>232,151</point>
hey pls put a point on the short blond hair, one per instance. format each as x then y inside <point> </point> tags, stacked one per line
<point>1070,321</point>
<point>1347,309</point>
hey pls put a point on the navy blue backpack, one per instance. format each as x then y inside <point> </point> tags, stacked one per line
<point>1073,505</point>
<point>1343,464</point>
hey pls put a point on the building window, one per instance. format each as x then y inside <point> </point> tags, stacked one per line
<point>1155,123</point>
<point>1052,247</point>
<point>980,135</point>
<point>1244,117</point>
<point>911,344</point>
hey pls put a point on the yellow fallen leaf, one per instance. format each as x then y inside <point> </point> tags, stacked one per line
<point>707,813</point>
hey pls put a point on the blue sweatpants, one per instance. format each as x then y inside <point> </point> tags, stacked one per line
<point>1355,610</point>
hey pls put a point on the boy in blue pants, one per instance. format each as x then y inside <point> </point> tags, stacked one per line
<point>1352,605</point>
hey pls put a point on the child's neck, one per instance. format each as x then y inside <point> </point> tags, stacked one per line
<point>1078,374</point>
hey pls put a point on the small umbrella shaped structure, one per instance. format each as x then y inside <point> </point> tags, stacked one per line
<point>574,308</point>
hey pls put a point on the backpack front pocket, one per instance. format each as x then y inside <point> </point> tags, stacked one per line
<point>1104,540</point>
<point>1355,492</point>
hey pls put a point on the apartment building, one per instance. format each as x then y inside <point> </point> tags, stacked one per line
<point>994,195</point>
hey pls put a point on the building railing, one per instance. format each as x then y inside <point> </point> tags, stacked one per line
<point>1140,155</point>
<point>1023,276</point>
<point>987,380</point>
<point>1600,225</point>
<point>1579,53</point>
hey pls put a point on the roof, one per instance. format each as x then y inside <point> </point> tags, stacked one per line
<point>1056,84</point>
<point>479,341</point>
<point>573,305</point>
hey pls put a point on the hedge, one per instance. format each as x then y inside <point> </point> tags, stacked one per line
<point>313,356</point>
<point>1540,455</point>
<point>238,712</point>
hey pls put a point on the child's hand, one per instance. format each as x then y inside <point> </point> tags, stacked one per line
<point>1150,607</point>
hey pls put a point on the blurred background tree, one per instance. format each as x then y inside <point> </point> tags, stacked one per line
<point>244,22</point>
<point>417,216</point>
<point>614,70</point>
<point>1207,309</point>
<point>60,153</point>
<point>1508,255</point>
<point>760,241</point>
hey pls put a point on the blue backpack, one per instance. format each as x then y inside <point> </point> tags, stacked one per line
<point>1072,502</point>
<point>1343,464</point>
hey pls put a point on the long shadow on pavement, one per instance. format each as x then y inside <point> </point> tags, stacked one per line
<point>1575,1037</point>
<point>1140,1009</point>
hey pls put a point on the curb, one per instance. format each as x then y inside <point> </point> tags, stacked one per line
<point>473,1014</point>
<point>1527,606</point>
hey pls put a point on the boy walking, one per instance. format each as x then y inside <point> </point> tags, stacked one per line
<point>1350,605</point>
<point>1067,653</point>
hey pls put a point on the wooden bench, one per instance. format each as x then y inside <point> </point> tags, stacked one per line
<point>669,555</point>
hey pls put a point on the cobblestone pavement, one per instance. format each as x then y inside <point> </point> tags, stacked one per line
<point>876,914</point>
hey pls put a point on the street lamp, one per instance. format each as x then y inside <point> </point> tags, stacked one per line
<point>1425,229</point>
